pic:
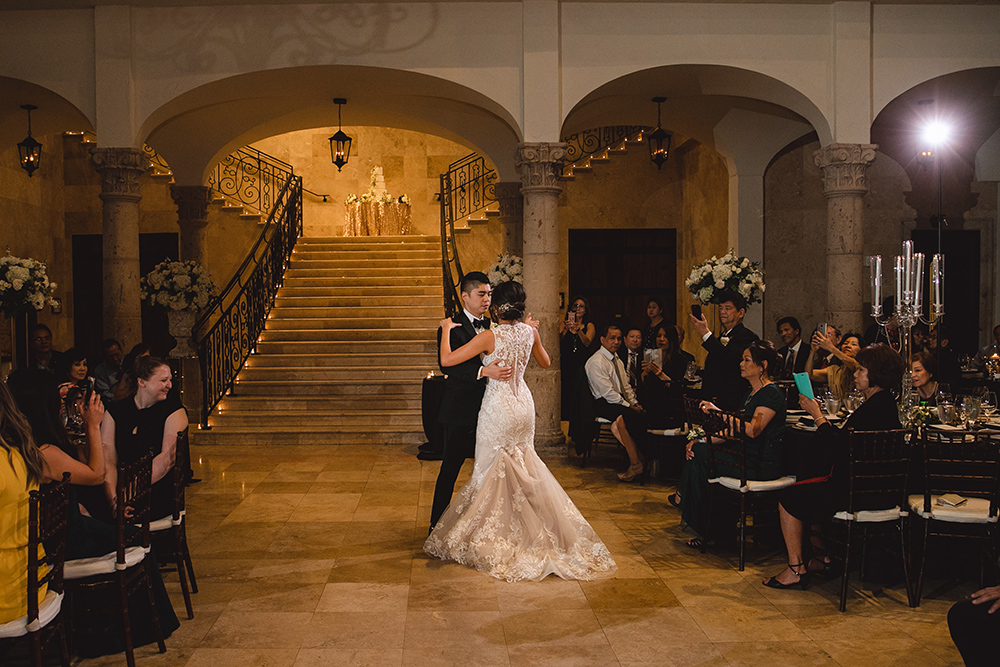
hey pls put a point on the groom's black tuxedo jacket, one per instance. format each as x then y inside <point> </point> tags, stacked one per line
<point>463,394</point>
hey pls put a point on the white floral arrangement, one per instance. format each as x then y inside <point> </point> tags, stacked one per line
<point>178,286</point>
<point>728,273</point>
<point>507,268</point>
<point>351,199</point>
<point>23,285</point>
<point>373,195</point>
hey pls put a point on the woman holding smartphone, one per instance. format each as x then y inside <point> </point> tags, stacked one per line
<point>576,334</point>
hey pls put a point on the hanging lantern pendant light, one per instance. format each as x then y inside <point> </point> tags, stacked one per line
<point>29,150</point>
<point>659,141</point>
<point>340,143</point>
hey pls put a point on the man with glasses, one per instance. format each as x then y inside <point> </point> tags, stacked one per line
<point>42,356</point>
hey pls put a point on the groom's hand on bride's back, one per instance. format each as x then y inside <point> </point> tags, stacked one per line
<point>497,372</point>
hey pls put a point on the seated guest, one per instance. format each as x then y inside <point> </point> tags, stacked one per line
<point>576,335</point>
<point>792,354</point>
<point>124,387</point>
<point>949,367</point>
<point>823,358</point>
<point>920,337</point>
<point>71,374</point>
<point>614,399</point>
<point>86,537</point>
<point>722,382</point>
<point>923,374</point>
<point>146,421</point>
<point>974,624</point>
<point>822,470</point>
<point>40,352</point>
<point>839,376</point>
<point>631,355</point>
<point>661,387</point>
<point>654,311</point>
<point>763,411</point>
<point>988,350</point>
<point>109,371</point>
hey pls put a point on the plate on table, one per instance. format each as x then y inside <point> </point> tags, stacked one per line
<point>809,421</point>
<point>947,427</point>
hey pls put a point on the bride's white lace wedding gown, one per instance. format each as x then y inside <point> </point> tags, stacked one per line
<point>513,520</point>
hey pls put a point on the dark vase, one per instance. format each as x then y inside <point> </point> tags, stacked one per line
<point>19,324</point>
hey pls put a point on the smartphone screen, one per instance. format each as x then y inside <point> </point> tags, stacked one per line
<point>696,310</point>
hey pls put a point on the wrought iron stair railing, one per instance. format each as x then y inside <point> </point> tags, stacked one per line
<point>252,178</point>
<point>589,143</point>
<point>228,332</point>
<point>469,186</point>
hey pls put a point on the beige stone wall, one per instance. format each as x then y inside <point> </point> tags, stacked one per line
<point>411,162</point>
<point>795,233</point>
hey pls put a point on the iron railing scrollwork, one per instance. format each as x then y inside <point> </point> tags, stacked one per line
<point>591,142</point>
<point>469,186</point>
<point>251,177</point>
<point>155,160</point>
<point>228,332</point>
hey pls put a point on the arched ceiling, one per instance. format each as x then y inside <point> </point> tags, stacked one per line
<point>699,97</point>
<point>201,126</point>
<point>53,116</point>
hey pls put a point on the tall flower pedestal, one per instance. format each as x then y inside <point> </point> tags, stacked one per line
<point>14,345</point>
<point>180,323</point>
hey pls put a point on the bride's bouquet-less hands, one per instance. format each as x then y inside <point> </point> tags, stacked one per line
<point>178,286</point>
<point>24,285</point>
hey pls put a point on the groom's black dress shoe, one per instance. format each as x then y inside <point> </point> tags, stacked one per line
<point>427,447</point>
<point>430,456</point>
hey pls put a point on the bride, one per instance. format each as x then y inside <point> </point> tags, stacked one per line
<point>513,520</point>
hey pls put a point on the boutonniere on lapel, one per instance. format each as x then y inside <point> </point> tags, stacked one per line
<point>724,340</point>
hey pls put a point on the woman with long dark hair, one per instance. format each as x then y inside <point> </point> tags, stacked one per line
<point>576,335</point>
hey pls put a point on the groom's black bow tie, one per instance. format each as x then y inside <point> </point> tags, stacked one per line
<point>481,324</point>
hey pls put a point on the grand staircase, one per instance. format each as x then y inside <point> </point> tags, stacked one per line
<point>345,348</point>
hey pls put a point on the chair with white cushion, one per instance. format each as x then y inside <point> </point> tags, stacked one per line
<point>47,511</point>
<point>124,571</point>
<point>727,445</point>
<point>966,466</point>
<point>877,469</point>
<point>173,548</point>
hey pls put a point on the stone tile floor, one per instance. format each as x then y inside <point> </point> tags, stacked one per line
<point>310,556</point>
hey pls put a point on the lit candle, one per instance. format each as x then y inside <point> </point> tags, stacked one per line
<point>899,282</point>
<point>937,275</point>
<point>876,270</point>
<point>918,283</point>
<point>908,267</point>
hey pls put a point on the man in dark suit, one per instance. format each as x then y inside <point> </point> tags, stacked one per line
<point>794,354</point>
<point>631,354</point>
<point>463,390</point>
<point>721,380</point>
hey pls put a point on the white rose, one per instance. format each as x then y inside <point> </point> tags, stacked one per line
<point>17,283</point>
<point>52,286</point>
<point>705,294</point>
<point>720,284</point>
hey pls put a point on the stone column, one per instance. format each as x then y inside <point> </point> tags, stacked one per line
<point>192,217</point>
<point>845,183</point>
<point>539,166</point>
<point>508,195</point>
<point>119,169</point>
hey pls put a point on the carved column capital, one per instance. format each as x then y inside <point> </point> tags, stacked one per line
<point>192,203</point>
<point>845,168</point>
<point>540,165</point>
<point>120,169</point>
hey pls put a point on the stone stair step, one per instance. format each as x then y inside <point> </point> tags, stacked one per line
<point>432,255</point>
<point>330,387</point>
<point>332,418</point>
<point>403,311</point>
<point>321,404</point>
<point>332,282</point>
<point>329,360</point>
<point>359,374</point>
<point>371,263</point>
<point>320,435</point>
<point>318,335</point>
<point>361,291</point>
<point>372,273</point>
<point>368,240</point>
<point>287,323</point>
<point>385,301</point>
<point>345,347</point>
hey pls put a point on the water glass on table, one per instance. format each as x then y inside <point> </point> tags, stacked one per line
<point>969,409</point>
<point>988,403</point>
<point>831,403</point>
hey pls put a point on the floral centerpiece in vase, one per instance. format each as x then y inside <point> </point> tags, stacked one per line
<point>507,268</point>
<point>183,288</point>
<point>729,273</point>
<point>24,286</point>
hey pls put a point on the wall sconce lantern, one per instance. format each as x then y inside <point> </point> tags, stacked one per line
<point>340,143</point>
<point>29,150</point>
<point>659,141</point>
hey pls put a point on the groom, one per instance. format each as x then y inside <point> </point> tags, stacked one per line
<point>463,389</point>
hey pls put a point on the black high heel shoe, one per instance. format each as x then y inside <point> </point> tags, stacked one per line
<point>802,583</point>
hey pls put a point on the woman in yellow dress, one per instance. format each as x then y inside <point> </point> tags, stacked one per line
<point>20,472</point>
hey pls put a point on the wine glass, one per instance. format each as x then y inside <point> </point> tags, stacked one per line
<point>971,408</point>
<point>831,403</point>
<point>947,413</point>
<point>988,403</point>
<point>691,372</point>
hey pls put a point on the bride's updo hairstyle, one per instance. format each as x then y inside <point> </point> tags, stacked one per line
<point>508,300</point>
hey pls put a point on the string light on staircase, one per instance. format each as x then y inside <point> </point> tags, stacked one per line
<point>30,151</point>
<point>340,143</point>
<point>659,141</point>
